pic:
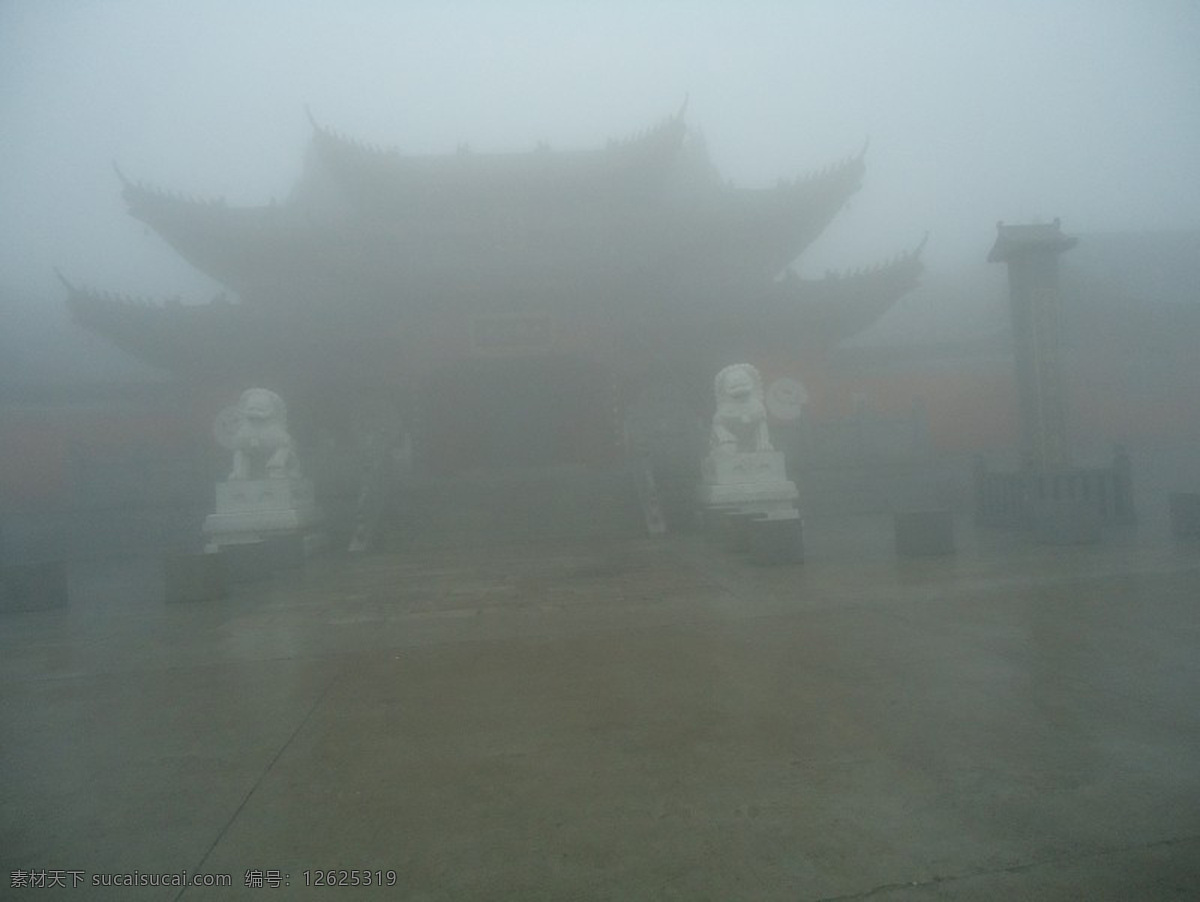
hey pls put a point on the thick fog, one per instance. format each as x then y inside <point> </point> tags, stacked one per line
<point>975,112</point>
<point>532,528</point>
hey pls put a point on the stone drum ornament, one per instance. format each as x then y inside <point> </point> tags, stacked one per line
<point>786,398</point>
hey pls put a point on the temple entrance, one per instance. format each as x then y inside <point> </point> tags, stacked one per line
<point>515,413</point>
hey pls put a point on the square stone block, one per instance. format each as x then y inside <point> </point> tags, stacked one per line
<point>747,495</point>
<point>1066,521</point>
<point>776,541</point>
<point>1185,515</point>
<point>735,530</point>
<point>194,577</point>
<point>33,587</point>
<point>285,551</point>
<point>246,562</point>
<point>249,509</point>
<point>920,533</point>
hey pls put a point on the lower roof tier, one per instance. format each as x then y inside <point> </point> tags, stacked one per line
<point>341,338</point>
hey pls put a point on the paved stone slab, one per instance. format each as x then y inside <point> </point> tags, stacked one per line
<point>632,720</point>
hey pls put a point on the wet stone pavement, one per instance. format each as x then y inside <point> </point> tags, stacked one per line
<point>642,719</point>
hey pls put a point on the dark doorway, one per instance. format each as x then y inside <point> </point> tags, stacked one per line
<point>523,412</point>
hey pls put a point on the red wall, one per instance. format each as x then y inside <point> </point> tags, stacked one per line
<point>36,446</point>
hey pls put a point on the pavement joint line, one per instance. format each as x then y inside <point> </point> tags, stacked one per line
<point>261,777</point>
<point>1012,869</point>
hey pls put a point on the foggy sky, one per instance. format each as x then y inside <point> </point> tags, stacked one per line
<point>976,111</point>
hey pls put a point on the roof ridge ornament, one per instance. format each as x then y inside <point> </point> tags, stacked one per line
<point>121,175</point>
<point>66,284</point>
<point>312,120</point>
<point>831,171</point>
<point>88,294</point>
<point>894,262</point>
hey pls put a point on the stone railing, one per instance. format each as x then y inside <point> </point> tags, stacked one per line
<point>1008,499</point>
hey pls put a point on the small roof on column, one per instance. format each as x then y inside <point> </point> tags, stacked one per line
<point>1033,238</point>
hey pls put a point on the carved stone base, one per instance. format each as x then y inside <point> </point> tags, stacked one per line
<point>752,482</point>
<point>255,510</point>
<point>743,467</point>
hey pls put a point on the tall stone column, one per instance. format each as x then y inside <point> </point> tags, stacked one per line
<point>1031,252</point>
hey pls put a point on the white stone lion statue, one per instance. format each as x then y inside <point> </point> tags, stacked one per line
<point>261,435</point>
<point>740,423</point>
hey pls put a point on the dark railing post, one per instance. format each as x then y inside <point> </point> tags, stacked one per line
<point>979,471</point>
<point>1122,477</point>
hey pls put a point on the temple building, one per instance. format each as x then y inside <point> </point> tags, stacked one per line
<point>512,309</point>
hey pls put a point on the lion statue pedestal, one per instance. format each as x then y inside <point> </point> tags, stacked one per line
<point>744,492</point>
<point>748,481</point>
<point>265,496</point>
